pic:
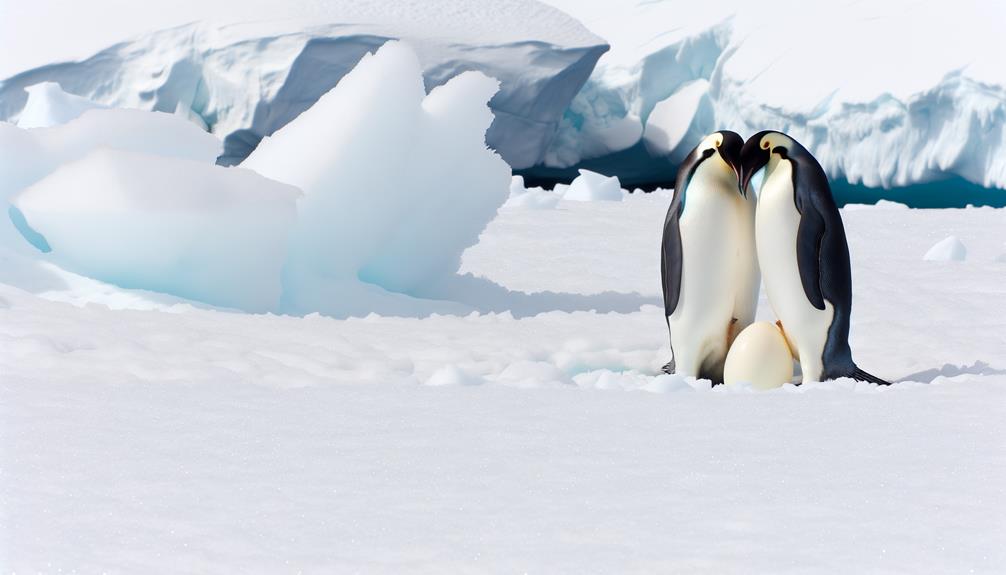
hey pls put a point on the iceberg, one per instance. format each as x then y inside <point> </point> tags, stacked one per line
<point>363,203</point>
<point>888,96</point>
<point>246,70</point>
<point>187,228</point>
<point>397,183</point>
<point>28,155</point>
<point>48,105</point>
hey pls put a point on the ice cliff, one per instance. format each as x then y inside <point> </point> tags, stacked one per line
<point>887,95</point>
<point>246,69</point>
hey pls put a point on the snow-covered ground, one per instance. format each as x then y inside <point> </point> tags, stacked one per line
<point>173,438</point>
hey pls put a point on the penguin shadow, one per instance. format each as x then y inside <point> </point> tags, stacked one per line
<point>951,370</point>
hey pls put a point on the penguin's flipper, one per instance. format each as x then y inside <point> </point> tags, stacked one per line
<point>861,375</point>
<point>809,239</point>
<point>670,257</point>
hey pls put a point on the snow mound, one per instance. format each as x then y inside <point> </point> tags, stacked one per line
<point>245,70</point>
<point>893,108</point>
<point>172,225</point>
<point>48,105</point>
<point>950,249</point>
<point>397,183</point>
<point>530,198</point>
<point>453,375</point>
<point>593,187</point>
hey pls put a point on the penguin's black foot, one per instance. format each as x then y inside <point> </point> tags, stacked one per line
<point>668,367</point>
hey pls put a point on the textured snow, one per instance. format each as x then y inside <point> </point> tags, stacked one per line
<point>950,249</point>
<point>176,226</point>
<point>593,187</point>
<point>245,69</point>
<point>202,441</point>
<point>887,95</point>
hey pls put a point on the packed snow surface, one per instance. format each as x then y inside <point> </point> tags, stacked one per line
<point>245,69</point>
<point>167,438</point>
<point>885,94</point>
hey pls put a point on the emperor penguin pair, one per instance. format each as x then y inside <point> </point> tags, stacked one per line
<point>718,239</point>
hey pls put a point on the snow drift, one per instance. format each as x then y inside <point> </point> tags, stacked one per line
<point>244,70</point>
<point>888,95</point>
<point>187,228</point>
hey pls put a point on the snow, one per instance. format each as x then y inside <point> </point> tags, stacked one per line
<point>593,187</point>
<point>200,440</point>
<point>187,228</point>
<point>245,69</point>
<point>871,93</point>
<point>383,204</point>
<point>530,198</point>
<point>48,105</point>
<point>950,249</point>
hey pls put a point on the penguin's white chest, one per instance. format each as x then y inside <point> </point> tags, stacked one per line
<point>715,231</point>
<point>777,223</point>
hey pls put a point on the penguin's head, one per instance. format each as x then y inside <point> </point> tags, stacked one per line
<point>758,150</point>
<point>726,145</point>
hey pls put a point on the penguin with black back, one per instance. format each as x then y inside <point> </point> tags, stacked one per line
<point>709,268</point>
<point>803,255</point>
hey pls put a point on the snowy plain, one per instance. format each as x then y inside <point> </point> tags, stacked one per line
<point>166,437</point>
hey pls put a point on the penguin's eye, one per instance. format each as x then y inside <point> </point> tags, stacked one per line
<point>765,145</point>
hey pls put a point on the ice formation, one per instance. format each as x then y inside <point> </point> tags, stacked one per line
<point>177,226</point>
<point>27,156</point>
<point>887,95</point>
<point>246,69</point>
<point>48,105</point>
<point>950,249</point>
<point>593,187</point>
<point>397,183</point>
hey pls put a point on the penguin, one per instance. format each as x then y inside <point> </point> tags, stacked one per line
<point>803,255</point>
<point>709,268</point>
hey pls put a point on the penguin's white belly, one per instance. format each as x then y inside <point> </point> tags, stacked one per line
<point>776,224</point>
<point>700,323</point>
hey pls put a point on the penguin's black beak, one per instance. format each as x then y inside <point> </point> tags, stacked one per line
<point>730,151</point>
<point>753,158</point>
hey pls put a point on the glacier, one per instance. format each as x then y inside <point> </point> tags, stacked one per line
<point>887,95</point>
<point>244,70</point>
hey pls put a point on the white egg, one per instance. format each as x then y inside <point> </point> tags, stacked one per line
<point>759,356</point>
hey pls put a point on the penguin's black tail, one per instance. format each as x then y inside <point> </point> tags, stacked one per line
<point>861,375</point>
